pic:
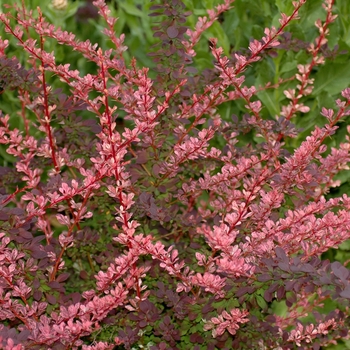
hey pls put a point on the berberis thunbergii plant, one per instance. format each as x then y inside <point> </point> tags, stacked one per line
<point>179,206</point>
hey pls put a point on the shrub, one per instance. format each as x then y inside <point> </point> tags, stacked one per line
<point>135,214</point>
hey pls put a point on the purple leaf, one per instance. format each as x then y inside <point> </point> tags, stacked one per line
<point>50,298</point>
<point>339,270</point>
<point>172,32</point>
<point>346,292</point>
<point>54,285</point>
<point>62,277</point>
<point>264,278</point>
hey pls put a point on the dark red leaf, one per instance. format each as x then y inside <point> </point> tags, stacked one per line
<point>265,277</point>
<point>54,285</point>
<point>340,271</point>
<point>50,298</point>
<point>346,292</point>
<point>62,277</point>
<point>172,32</point>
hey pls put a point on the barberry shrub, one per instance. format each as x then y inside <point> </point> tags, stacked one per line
<point>138,211</point>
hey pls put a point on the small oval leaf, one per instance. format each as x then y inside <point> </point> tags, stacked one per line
<point>172,32</point>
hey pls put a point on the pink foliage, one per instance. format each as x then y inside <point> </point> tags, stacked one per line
<point>250,216</point>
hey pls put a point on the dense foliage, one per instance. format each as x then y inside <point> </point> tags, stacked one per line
<point>193,197</point>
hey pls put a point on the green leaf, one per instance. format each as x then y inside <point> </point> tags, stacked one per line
<point>131,9</point>
<point>279,308</point>
<point>284,6</point>
<point>208,4</point>
<point>287,67</point>
<point>216,31</point>
<point>5,158</point>
<point>332,78</point>
<point>261,302</point>
<point>269,102</point>
<point>345,245</point>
